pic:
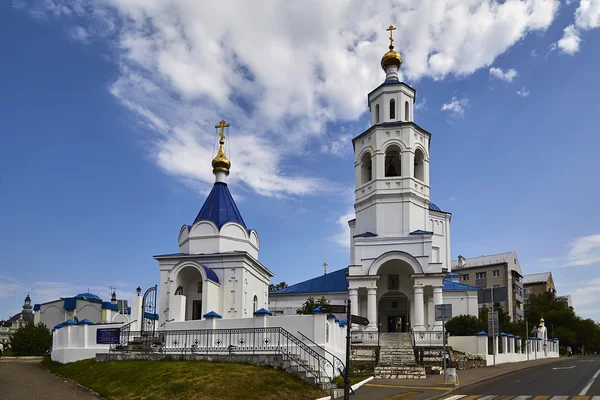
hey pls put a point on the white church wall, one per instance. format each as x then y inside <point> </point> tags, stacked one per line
<point>88,310</point>
<point>77,342</point>
<point>177,308</point>
<point>288,304</point>
<point>213,300</point>
<point>52,313</point>
<point>463,302</point>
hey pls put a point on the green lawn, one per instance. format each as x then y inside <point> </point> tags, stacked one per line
<point>137,380</point>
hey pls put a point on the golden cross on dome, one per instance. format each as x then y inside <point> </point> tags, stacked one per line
<point>391,29</point>
<point>325,268</point>
<point>222,125</point>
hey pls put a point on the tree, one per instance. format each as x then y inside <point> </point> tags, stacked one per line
<point>503,318</point>
<point>463,325</point>
<point>279,286</point>
<point>31,340</point>
<point>310,304</point>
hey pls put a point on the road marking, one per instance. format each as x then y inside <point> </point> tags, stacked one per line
<point>587,360</point>
<point>410,387</point>
<point>521,397</point>
<point>580,397</point>
<point>590,383</point>
<point>455,397</point>
<point>487,397</point>
<point>402,395</point>
<point>559,398</point>
<point>572,366</point>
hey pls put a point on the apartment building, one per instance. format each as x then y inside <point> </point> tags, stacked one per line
<point>499,276</point>
<point>538,283</point>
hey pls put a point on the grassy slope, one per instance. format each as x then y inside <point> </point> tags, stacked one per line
<point>137,380</point>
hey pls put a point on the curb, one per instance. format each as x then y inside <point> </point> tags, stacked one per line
<point>354,387</point>
<point>458,388</point>
<point>72,382</point>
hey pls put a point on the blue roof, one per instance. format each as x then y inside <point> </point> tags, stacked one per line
<point>70,303</point>
<point>366,234</point>
<point>210,274</point>
<point>332,282</point>
<point>36,307</point>
<point>151,316</point>
<point>219,207</point>
<point>433,207</point>
<point>211,314</point>
<point>88,296</point>
<point>449,285</point>
<point>68,322</point>
<point>421,232</point>
<point>109,306</point>
<point>57,326</point>
<point>263,311</point>
<point>85,322</point>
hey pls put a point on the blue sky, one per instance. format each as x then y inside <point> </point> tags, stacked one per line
<point>107,131</point>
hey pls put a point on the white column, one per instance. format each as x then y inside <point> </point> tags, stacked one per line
<point>353,294</point>
<point>438,299</point>
<point>372,308</point>
<point>430,311</point>
<point>419,309</point>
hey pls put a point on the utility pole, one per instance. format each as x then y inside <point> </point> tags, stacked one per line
<point>347,374</point>
<point>494,327</point>
<point>527,338</point>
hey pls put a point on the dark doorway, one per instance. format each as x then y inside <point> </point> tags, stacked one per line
<point>197,309</point>
<point>396,324</point>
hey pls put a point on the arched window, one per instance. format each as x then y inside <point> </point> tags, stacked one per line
<point>406,111</point>
<point>392,109</point>
<point>392,161</point>
<point>377,113</point>
<point>419,165</point>
<point>366,168</point>
<point>254,305</point>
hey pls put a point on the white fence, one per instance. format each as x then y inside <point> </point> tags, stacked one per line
<point>508,348</point>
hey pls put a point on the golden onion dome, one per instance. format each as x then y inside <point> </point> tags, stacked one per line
<point>221,163</point>
<point>391,57</point>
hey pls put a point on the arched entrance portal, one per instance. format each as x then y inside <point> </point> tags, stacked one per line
<point>189,284</point>
<point>394,312</point>
<point>394,291</point>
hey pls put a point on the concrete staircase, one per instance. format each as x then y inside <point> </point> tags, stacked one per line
<point>397,357</point>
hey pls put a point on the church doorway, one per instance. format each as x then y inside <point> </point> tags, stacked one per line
<point>394,312</point>
<point>190,284</point>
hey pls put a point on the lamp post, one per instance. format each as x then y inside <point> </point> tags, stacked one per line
<point>138,290</point>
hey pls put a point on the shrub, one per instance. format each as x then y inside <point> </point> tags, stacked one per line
<point>463,325</point>
<point>31,340</point>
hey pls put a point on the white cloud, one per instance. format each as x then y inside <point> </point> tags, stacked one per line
<point>533,53</point>
<point>279,83</point>
<point>342,238</point>
<point>587,16</point>
<point>340,146</point>
<point>79,33</point>
<point>569,43</point>
<point>523,92</point>
<point>507,75</point>
<point>584,251</point>
<point>456,107</point>
<point>421,105</point>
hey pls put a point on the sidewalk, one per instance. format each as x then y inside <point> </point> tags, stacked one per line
<point>433,386</point>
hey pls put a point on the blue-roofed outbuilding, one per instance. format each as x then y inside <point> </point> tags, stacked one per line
<point>332,282</point>
<point>219,207</point>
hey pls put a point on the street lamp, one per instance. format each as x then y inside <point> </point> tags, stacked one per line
<point>138,290</point>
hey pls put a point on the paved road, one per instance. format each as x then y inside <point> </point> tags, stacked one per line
<point>577,377</point>
<point>27,380</point>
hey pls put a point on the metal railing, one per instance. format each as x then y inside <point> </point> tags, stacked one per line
<point>365,338</point>
<point>428,338</point>
<point>336,364</point>
<point>226,341</point>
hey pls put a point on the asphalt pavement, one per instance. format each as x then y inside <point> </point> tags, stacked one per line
<point>577,376</point>
<point>21,380</point>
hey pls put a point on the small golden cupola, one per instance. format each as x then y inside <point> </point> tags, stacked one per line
<point>541,322</point>
<point>392,58</point>
<point>221,163</point>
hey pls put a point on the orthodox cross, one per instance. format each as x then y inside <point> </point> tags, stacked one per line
<point>391,29</point>
<point>223,125</point>
<point>325,268</point>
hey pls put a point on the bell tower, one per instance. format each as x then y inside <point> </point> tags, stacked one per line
<point>391,159</point>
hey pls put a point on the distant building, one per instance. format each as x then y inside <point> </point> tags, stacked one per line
<point>16,321</point>
<point>567,299</point>
<point>82,306</point>
<point>500,273</point>
<point>538,283</point>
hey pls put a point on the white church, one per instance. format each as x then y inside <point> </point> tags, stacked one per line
<point>213,292</point>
